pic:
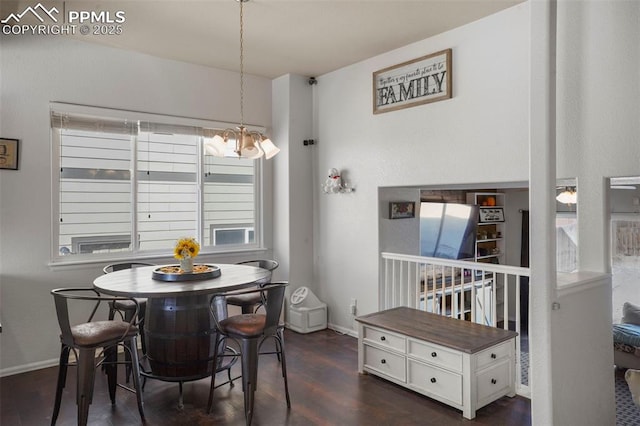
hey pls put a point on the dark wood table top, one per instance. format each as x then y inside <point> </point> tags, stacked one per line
<point>138,282</point>
<point>463,336</point>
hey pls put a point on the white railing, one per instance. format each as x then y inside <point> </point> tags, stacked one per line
<point>484,293</point>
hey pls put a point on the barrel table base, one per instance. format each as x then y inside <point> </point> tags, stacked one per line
<point>180,339</point>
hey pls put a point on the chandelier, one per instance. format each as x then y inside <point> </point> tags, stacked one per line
<point>247,143</point>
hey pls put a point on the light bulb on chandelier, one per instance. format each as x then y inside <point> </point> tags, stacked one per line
<point>247,143</point>
<point>568,196</point>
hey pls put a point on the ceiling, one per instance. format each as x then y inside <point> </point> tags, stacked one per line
<point>304,37</point>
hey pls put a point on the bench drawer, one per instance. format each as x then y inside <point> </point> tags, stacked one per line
<point>384,338</point>
<point>493,383</point>
<point>435,354</point>
<point>494,355</point>
<point>436,382</point>
<point>384,362</point>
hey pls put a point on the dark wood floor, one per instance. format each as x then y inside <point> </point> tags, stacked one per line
<point>325,387</point>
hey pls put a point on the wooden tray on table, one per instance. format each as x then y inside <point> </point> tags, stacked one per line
<point>173,273</point>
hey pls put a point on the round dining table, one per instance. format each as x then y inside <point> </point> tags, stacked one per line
<point>139,282</point>
<point>179,331</point>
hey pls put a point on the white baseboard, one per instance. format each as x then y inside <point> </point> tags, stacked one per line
<point>343,330</point>
<point>25,368</point>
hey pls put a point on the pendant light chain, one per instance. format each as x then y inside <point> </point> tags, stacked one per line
<point>249,144</point>
<point>241,63</point>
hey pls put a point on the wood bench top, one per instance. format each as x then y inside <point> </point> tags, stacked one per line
<point>463,336</point>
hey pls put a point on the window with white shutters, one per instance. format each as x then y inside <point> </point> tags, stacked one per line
<point>129,184</point>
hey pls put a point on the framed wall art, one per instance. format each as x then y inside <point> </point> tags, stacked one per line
<point>402,209</point>
<point>416,82</point>
<point>9,150</point>
<point>491,214</point>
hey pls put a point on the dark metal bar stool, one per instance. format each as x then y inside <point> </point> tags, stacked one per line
<point>250,302</point>
<point>126,308</point>
<point>250,331</point>
<point>83,339</point>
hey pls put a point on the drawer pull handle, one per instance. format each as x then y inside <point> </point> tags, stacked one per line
<point>383,361</point>
<point>494,381</point>
<point>433,354</point>
<point>433,380</point>
<point>383,338</point>
<point>493,356</point>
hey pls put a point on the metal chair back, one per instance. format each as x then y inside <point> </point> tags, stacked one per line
<point>273,299</point>
<point>124,265</point>
<point>268,264</point>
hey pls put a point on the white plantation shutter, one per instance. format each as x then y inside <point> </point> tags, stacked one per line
<point>167,188</point>
<point>130,185</point>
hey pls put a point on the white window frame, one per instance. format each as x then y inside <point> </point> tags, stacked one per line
<point>58,258</point>
<point>246,228</point>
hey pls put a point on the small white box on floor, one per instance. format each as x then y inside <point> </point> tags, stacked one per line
<point>306,312</point>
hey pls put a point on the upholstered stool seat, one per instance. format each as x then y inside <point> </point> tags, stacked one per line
<point>246,325</point>
<point>98,332</point>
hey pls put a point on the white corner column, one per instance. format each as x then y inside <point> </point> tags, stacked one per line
<point>566,313</point>
<point>292,119</point>
<point>542,176</point>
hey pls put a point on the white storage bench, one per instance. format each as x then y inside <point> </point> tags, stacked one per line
<point>459,363</point>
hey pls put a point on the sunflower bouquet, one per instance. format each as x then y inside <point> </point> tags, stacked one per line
<point>186,248</point>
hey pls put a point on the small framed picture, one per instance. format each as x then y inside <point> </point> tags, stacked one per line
<point>402,209</point>
<point>491,214</point>
<point>9,149</point>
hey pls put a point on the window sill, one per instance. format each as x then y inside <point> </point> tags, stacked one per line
<point>228,256</point>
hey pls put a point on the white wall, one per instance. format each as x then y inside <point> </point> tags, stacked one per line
<point>36,71</point>
<point>480,135</point>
